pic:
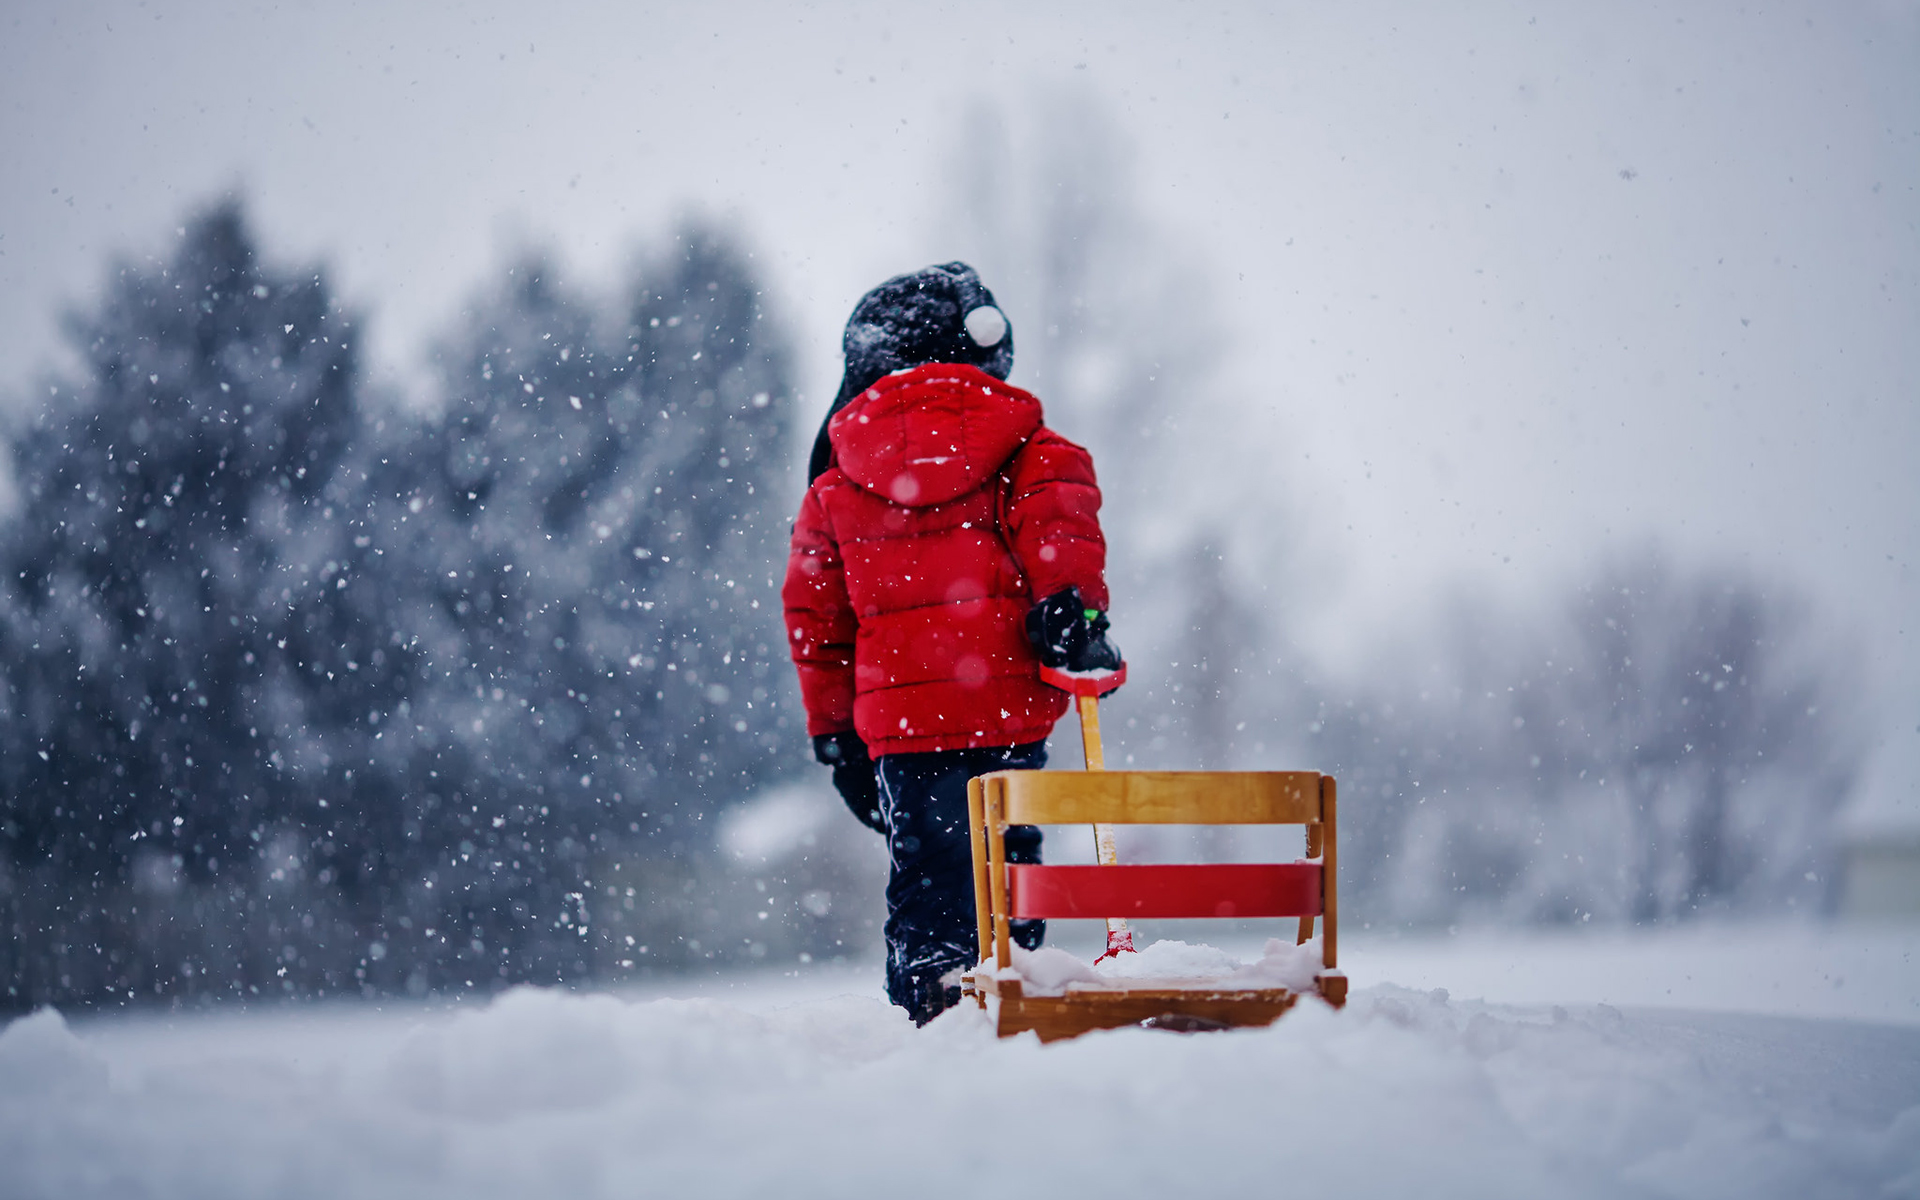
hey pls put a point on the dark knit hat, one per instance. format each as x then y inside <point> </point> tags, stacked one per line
<point>938,315</point>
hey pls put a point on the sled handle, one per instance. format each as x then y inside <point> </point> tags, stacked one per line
<point>1090,683</point>
<point>1086,690</point>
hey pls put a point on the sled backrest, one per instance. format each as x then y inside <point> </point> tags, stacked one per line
<point>1004,892</point>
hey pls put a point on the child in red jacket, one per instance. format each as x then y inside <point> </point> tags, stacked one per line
<point>948,545</point>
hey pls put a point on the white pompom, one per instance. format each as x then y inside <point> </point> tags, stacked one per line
<point>986,325</point>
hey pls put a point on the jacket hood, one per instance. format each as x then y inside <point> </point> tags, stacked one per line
<point>927,435</point>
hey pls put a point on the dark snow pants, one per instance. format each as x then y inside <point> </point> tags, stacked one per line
<point>930,921</point>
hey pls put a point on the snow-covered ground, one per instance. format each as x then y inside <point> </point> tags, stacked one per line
<point>1780,1061</point>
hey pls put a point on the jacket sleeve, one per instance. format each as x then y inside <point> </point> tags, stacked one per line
<point>1053,519</point>
<point>820,620</point>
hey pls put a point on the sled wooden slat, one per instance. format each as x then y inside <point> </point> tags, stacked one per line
<point>977,838</point>
<point>1053,1018</point>
<point>1314,840</point>
<point>996,848</point>
<point>1165,890</point>
<point>1162,797</point>
<point>1330,874</point>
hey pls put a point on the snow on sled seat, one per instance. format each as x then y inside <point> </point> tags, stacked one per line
<point>1006,892</point>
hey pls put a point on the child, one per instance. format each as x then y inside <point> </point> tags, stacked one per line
<point>948,545</point>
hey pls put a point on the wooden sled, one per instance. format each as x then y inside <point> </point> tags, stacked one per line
<point>1005,892</point>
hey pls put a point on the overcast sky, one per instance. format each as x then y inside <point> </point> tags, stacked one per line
<point>1507,284</point>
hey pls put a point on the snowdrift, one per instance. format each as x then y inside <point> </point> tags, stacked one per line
<point>788,1090</point>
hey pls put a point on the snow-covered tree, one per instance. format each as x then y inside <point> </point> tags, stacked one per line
<point>580,558</point>
<point>711,381</point>
<point>303,693</point>
<point>171,580</point>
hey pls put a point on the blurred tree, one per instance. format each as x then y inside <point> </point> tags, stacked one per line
<point>171,578</point>
<point>1701,695</point>
<point>1664,742</point>
<point>588,578</point>
<point>1116,330</point>
<point>712,382</point>
<point>300,699</point>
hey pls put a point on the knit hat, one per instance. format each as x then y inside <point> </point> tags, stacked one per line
<point>942,314</point>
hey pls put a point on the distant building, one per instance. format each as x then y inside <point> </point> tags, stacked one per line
<point>1880,841</point>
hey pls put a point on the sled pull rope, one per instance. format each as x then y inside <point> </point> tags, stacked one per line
<point>1086,691</point>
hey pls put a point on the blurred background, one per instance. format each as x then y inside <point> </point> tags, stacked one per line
<point>1509,409</point>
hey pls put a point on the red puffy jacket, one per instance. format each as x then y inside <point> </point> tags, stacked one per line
<point>948,510</point>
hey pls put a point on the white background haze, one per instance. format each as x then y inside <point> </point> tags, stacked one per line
<point>1501,284</point>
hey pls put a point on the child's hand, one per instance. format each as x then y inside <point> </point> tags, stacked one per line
<point>853,775</point>
<point>1067,634</point>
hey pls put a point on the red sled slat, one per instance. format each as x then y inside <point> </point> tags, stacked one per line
<point>1165,890</point>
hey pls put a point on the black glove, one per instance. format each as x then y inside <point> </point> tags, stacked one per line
<point>1066,633</point>
<point>853,775</point>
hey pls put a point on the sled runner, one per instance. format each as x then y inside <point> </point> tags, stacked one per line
<point>1005,892</point>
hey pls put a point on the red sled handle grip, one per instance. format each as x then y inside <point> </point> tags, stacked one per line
<point>1092,683</point>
